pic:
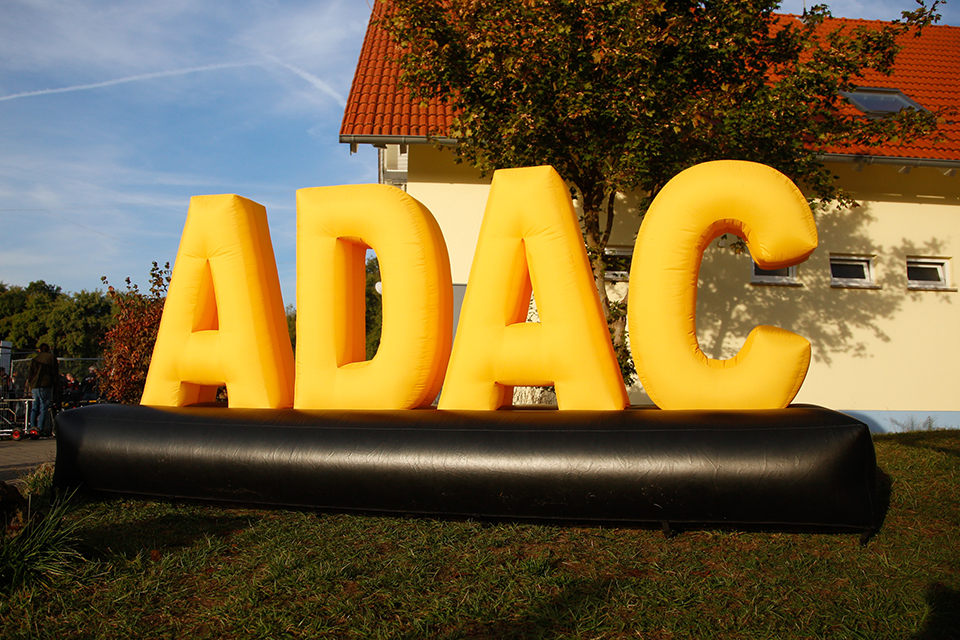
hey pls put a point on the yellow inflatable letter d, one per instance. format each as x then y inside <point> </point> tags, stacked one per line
<point>335,227</point>
<point>223,321</point>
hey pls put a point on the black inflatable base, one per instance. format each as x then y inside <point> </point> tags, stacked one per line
<point>798,468</point>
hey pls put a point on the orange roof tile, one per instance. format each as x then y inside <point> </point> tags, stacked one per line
<point>927,70</point>
<point>377,107</point>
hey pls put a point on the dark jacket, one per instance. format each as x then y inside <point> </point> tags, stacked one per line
<point>44,371</point>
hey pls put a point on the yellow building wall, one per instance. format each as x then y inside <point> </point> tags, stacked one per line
<point>884,349</point>
<point>456,194</point>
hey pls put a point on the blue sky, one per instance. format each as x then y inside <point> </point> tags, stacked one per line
<point>114,113</point>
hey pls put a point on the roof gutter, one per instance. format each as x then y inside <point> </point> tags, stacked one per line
<point>380,141</point>
<point>908,163</point>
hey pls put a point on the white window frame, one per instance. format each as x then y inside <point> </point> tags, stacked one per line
<point>789,280</point>
<point>618,276</point>
<point>943,267</point>
<point>869,282</point>
<point>393,161</point>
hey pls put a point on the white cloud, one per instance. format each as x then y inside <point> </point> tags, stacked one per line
<point>314,31</point>
<point>318,42</point>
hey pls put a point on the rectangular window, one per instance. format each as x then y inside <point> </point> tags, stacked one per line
<point>880,102</point>
<point>618,260</point>
<point>787,276</point>
<point>393,165</point>
<point>929,274</point>
<point>852,272</point>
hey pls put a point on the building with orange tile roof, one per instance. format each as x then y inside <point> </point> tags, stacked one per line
<point>878,299</point>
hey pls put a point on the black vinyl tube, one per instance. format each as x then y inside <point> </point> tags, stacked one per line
<point>802,467</point>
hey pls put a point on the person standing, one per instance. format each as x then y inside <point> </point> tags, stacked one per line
<point>41,379</point>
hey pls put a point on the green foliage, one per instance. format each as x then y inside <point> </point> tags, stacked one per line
<point>25,311</point>
<point>374,307</point>
<point>78,323</point>
<point>617,325</point>
<point>621,95</point>
<point>128,346</point>
<point>291,312</point>
<point>72,324</point>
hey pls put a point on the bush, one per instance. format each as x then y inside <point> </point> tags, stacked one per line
<point>128,347</point>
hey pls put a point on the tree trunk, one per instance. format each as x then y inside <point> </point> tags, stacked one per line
<point>613,312</point>
<point>596,241</point>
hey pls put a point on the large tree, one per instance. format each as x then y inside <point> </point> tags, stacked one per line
<point>621,95</point>
<point>73,324</point>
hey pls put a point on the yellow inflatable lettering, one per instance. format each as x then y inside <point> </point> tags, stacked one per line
<point>335,227</point>
<point>223,320</point>
<point>530,239</point>
<point>756,203</point>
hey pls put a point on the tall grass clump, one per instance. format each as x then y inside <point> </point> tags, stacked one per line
<point>41,543</point>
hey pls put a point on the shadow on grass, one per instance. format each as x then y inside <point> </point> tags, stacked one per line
<point>884,491</point>
<point>946,441</point>
<point>170,530</point>
<point>943,620</point>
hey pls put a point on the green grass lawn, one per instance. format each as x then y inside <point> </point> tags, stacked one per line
<point>156,570</point>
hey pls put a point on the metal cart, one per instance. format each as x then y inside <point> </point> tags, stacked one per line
<point>15,418</point>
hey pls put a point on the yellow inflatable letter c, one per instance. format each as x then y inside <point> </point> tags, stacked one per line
<point>756,203</point>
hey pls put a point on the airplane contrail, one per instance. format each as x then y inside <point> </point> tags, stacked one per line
<point>142,76</point>
<point>312,79</point>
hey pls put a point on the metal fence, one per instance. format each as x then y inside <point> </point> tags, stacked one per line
<point>79,368</point>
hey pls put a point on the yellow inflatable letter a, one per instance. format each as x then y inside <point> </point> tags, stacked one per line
<point>530,238</point>
<point>223,321</point>
<point>756,203</point>
<point>335,227</point>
